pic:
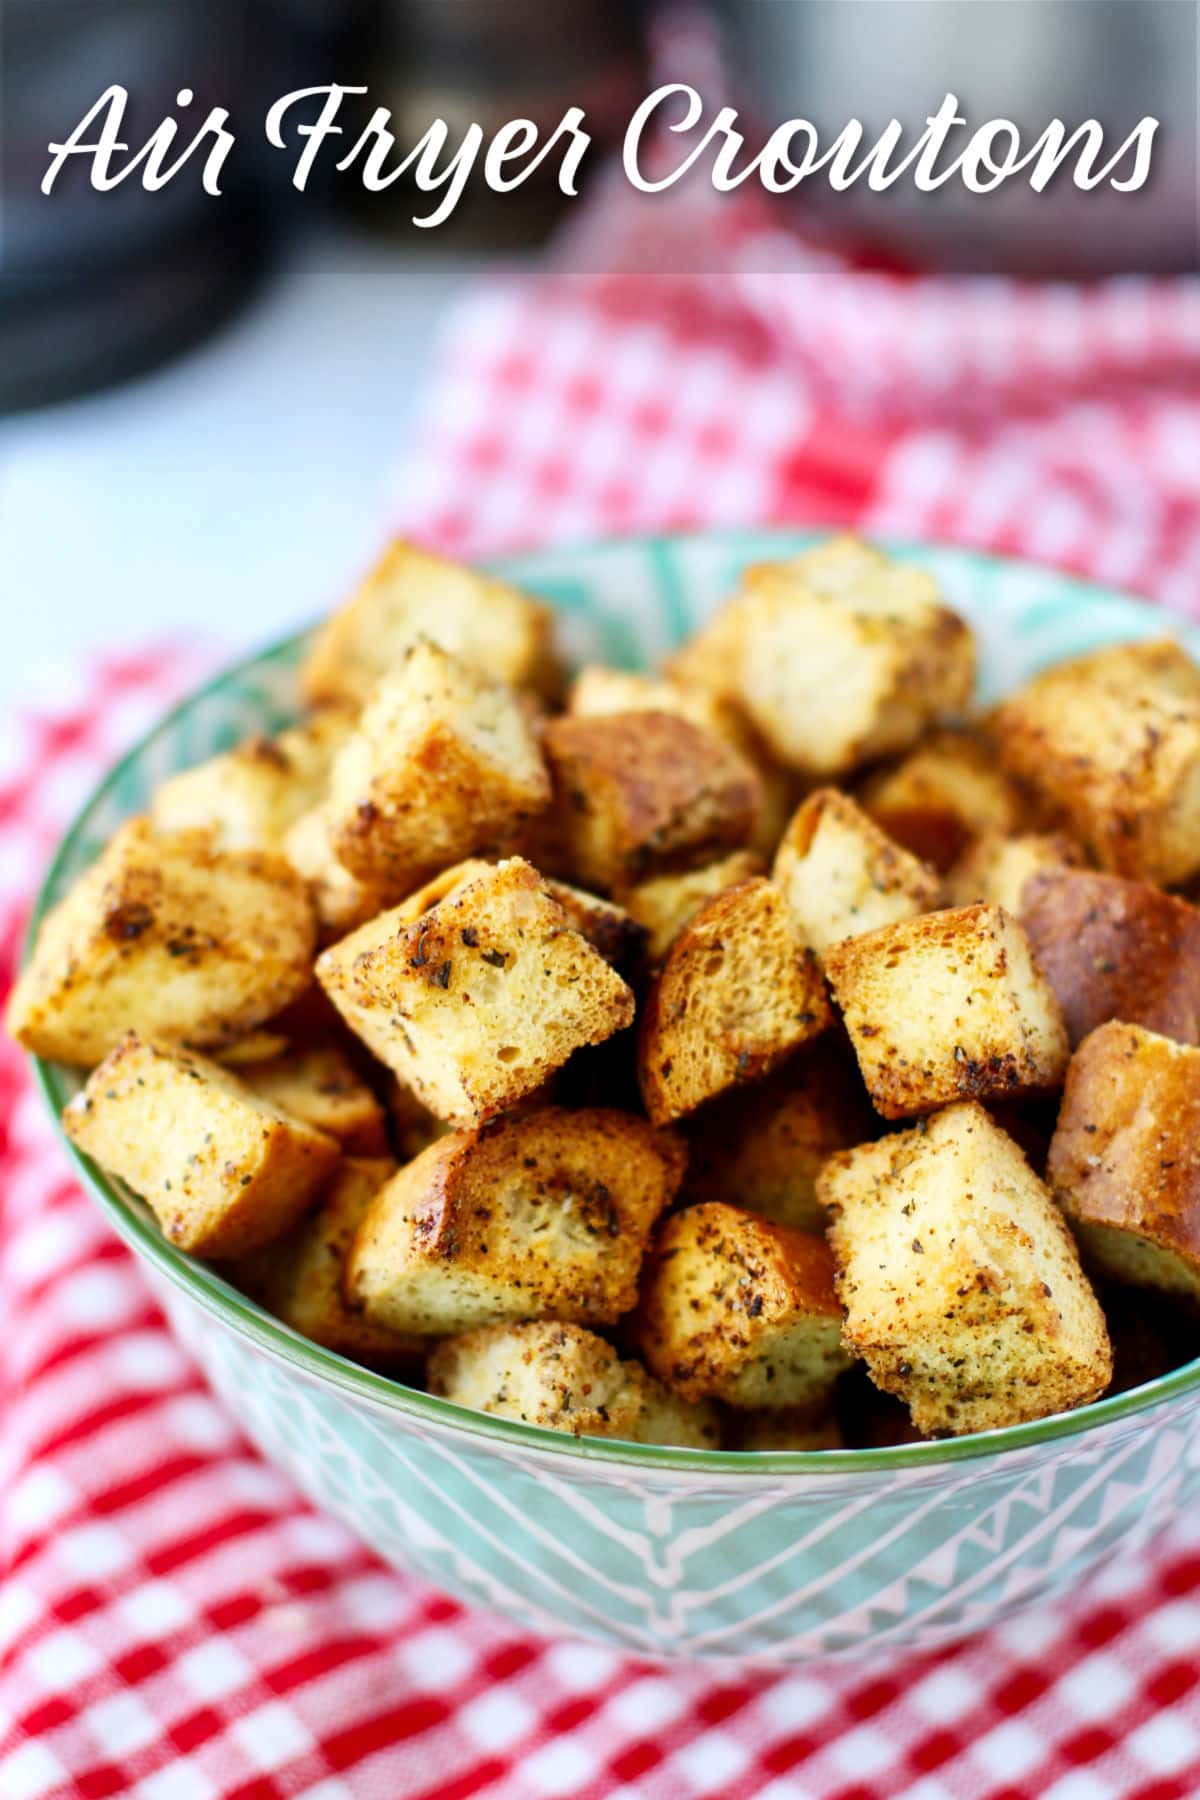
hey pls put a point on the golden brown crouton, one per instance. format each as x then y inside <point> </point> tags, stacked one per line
<point>947,1006</point>
<point>169,936</point>
<point>961,1282</point>
<point>538,1215</point>
<point>474,1003</point>
<point>340,900</point>
<point>762,1147</point>
<point>250,797</point>
<point>1125,1161</point>
<point>738,993</point>
<point>412,594</point>
<point>996,867</point>
<point>608,928</point>
<point>643,793</point>
<point>837,657</point>
<point>299,1279</point>
<point>946,792</point>
<point>224,1170</point>
<point>1116,949</point>
<point>664,905</point>
<point>841,875</point>
<point>442,764</point>
<point>786,1428</point>
<point>319,1084</point>
<point>1110,745</point>
<point>736,1309</point>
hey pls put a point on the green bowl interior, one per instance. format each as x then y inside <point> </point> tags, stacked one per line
<point>623,602</point>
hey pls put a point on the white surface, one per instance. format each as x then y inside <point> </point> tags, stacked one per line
<point>236,491</point>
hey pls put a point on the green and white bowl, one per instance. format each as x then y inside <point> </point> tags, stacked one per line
<point>767,1557</point>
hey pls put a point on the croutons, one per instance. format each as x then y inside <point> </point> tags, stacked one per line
<point>412,594</point>
<point>566,1379</point>
<point>664,905</point>
<point>1110,744</point>
<point>340,900</point>
<point>947,1006</point>
<point>224,1170</point>
<point>960,1279</point>
<point>476,1001</point>
<point>171,937</point>
<point>319,1084</point>
<point>608,928</point>
<point>737,1309</point>
<point>538,1215</point>
<point>644,793</point>
<point>762,1147</point>
<point>299,1279</point>
<point>250,797</point>
<point>946,792</point>
<point>1116,949</point>
<point>786,1428</point>
<point>1124,1164</point>
<point>841,875</point>
<point>442,764</point>
<point>996,868</point>
<point>837,657</point>
<point>738,993</point>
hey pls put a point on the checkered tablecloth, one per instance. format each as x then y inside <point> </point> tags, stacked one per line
<point>177,1624</point>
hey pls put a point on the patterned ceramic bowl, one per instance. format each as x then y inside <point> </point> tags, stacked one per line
<point>770,1557</point>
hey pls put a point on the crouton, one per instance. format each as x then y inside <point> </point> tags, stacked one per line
<point>664,905</point>
<point>223,1170</point>
<point>786,1428</point>
<point>299,1279</point>
<point>1116,949</point>
<point>171,937</point>
<point>1110,745</point>
<point>250,797</point>
<point>996,867</point>
<point>538,1215</point>
<point>645,793</point>
<point>475,1002</point>
<point>736,1309</point>
<point>410,594</point>
<point>841,875</point>
<point>608,928</point>
<point>340,900</point>
<point>442,764</point>
<point>1124,1164</point>
<point>762,1147</point>
<point>319,1084</point>
<point>961,1282</point>
<point>947,1006</point>
<point>837,657</point>
<point>945,793</point>
<point>739,992</point>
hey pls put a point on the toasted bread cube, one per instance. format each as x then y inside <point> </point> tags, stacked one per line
<point>299,1279</point>
<point>961,1282</point>
<point>1110,745</point>
<point>477,1000</point>
<point>996,867</point>
<point>837,657</point>
<point>1124,1164</point>
<point>947,1006</point>
<point>411,594</point>
<point>442,764</point>
<point>787,1428</point>
<point>664,905</point>
<point>168,936</point>
<point>762,1147</point>
<point>340,900</point>
<point>538,1215</point>
<point>734,1308</point>
<point>319,1084</point>
<point>841,875</point>
<point>250,797</point>
<point>945,793</point>
<point>739,992</point>
<point>224,1170</point>
<point>643,793</point>
<point>608,928</point>
<point>1116,949</point>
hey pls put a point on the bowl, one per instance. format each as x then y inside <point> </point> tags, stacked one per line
<point>765,1558</point>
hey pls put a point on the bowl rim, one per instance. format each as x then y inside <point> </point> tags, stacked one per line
<point>203,1283</point>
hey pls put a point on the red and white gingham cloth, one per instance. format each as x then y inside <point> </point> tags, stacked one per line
<point>177,1623</point>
